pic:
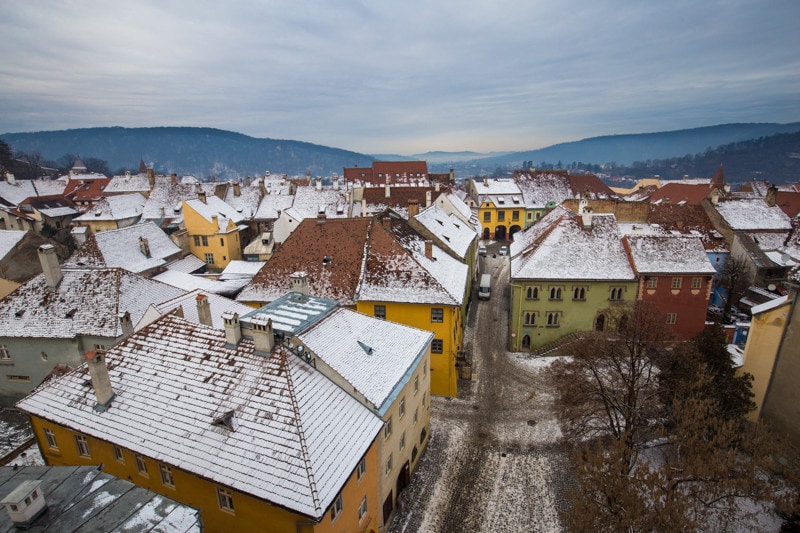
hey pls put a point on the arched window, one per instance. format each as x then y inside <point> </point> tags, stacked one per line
<point>555,293</point>
<point>600,323</point>
<point>530,319</point>
<point>579,293</point>
<point>552,319</point>
<point>533,293</point>
<point>526,342</point>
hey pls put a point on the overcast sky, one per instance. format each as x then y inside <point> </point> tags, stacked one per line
<point>404,77</point>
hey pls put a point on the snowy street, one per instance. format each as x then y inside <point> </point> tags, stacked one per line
<point>494,462</point>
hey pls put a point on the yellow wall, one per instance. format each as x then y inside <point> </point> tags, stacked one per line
<point>508,217</point>
<point>96,226</point>
<point>225,247</point>
<point>450,331</point>
<point>250,514</point>
<point>763,340</point>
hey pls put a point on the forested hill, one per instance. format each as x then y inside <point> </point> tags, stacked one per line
<point>202,152</point>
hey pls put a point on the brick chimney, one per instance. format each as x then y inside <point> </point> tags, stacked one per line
<point>233,330</point>
<point>50,266</point>
<point>413,207</point>
<point>174,177</point>
<point>263,335</point>
<point>126,324</point>
<point>300,282</point>
<point>151,177</point>
<point>388,187</point>
<point>363,207</point>
<point>144,246</point>
<point>237,189</point>
<point>101,383</point>
<point>201,195</point>
<point>428,198</point>
<point>204,310</point>
<point>429,249</point>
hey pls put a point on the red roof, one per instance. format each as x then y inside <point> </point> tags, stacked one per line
<point>89,190</point>
<point>396,171</point>
<point>789,202</point>
<point>680,192</point>
<point>580,183</point>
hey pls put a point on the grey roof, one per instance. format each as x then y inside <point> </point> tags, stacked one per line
<point>83,498</point>
<point>293,312</point>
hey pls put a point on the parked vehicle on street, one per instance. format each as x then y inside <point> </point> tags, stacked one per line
<point>485,288</point>
<point>482,250</point>
<point>503,250</point>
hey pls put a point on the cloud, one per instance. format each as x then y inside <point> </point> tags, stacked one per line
<point>406,77</point>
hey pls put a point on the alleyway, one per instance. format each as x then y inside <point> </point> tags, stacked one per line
<point>494,462</point>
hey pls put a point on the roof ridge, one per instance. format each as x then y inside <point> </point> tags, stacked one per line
<point>284,368</point>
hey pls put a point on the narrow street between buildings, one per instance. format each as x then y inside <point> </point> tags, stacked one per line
<point>494,462</point>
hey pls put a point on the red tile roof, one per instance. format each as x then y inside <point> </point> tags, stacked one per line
<point>789,202</point>
<point>86,190</point>
<point>397,172</point>
<point>681,192</point>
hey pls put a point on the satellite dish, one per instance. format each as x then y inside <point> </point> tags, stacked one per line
<point>771,286</point>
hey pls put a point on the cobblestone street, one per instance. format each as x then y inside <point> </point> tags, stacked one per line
<point>494,462</point>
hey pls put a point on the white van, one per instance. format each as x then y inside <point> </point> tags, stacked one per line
<point>485,288</point>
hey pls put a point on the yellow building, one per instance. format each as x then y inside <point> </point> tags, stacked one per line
<point>761,351</point>
<point>501,207</point>
<point>113,212</point>
<point>245,431</point>
<point>215,231</point>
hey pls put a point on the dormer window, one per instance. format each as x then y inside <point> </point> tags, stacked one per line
<point>327,260</point>
<point>227,420</point>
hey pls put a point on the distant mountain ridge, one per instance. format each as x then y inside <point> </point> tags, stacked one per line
<point>206,152</point>
<point>202,152</point>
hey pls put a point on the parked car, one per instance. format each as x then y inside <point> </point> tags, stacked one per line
<point>482,251</point>
<point>503,250</point>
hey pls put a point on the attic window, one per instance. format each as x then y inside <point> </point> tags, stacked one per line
<point>501,200</point>
<point>19,313</point>
<point>327,260</point>
<point>515,199</point>
<point>71,313</point>
<point>365,347</point>
<point>228,420</point>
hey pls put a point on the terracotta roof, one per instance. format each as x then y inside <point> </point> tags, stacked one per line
<point>397,172</point>
<point>687,219</point>
<point>398,197</point>
<point>589,183</point>
<point>674,193</point>
<point>789,202</point>
<point>86,190</point>
<point>356,174</point>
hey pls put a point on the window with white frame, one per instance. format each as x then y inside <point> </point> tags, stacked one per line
<point>437,346</point>
<point>697,282</point>
<point>209,259</point>
<point>141,465</point>
<point>50,437</point>
<point>416,384</point>
<point>672,318</point>
<point>652,283</point>
<point>362,509</point>
<point>677,282</point>
<point>388,464</point>
<point>225,499</point>
<point>402,441</point>
<point>437,314</point>
<point>380,311</point>
<point>166,475</point>
<point>82,445</point>
<point>402,407</point>
<point>361,469</point>
<point>387,428</point>
<point>118,456</point>
<point>4,355</point>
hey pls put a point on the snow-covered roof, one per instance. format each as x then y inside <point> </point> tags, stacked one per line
<point>669,255</point>
<point>309,201</point>
<point>122,248</point>
<point>753,215</point>
<point>18,191</point>
<point>188,282</point>
<point>449,229</point>
<point>9,239</point>
<point>527,237</point>
<point>188,304</point>
<point>539,189</point>
<point>188,264</point>
<point>568,251</point>
<point>272,204</point>
<point>294,438</point>
<point>85,302</point>
<point>766,306</point>
<point>247,201</point>
<point>128,183</point>
<point>241,269</point>
<point>293,312</point>
<point>212,208</point>
<point>166,196</point>
<point>495,186</point>
<point>116,207</point>
<point>375,356</point>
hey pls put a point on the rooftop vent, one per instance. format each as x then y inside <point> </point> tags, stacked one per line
<point>327,260</point>
<point>365,347</point>
<point>25,503</point>
<point>227,420</point>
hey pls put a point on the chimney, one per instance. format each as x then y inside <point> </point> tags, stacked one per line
<point>321,215</point>
<point>318,181</point>
<point>127,175</point>
<point>201,196</point>
<point>437,186</point>
<point>174,177</point>
<point>772,196</point>
<point>429,249</point>
<point>12,180</point>
<point>486,181</point>
<point>363,207</point>
<point>237,189</point>
<point>100,380</point>
<point>50,266</point>
<point>452,176</point>
<point>388,189</point>
<point>126,324</point>
<point>162,212</point>
<point>263,336</point>
<point>428,197</point>
<point>336,183</point>
<point>151,177</point>
<point>144,246</point>
<point>233,330</point>
<point>204,310</point>
<point>586,217</point>
<point>413,207</point>
<point>300,282</point>
<point>247,181</point>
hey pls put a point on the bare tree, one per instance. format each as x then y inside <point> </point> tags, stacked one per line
<point>736,277</point>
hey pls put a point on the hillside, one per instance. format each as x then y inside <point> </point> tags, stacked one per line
<point>202,152</point>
